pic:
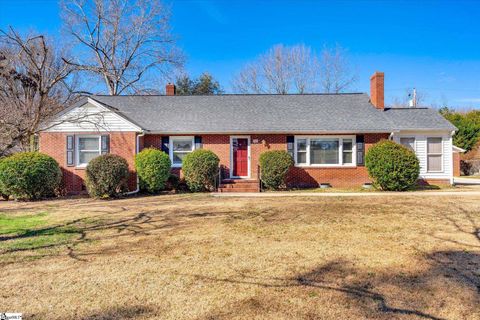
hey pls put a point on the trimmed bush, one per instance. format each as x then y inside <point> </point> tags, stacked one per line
<point>392,166</point>
<point>200,169</point>
<point>274,166</point>
<point>107,176</point>
<point>29,176</point>
<point>153,169</point>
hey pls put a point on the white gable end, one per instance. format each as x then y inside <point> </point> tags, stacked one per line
<point>89,117</point>
<point>420,148</point>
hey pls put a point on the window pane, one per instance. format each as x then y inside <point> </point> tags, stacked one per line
<point>347,157</point>
<point>434,145</point>
<point>347,144</point>
<point>324,151</point>
<point>301,144</point>
<point>434,163</point>
<point>182,144</point>
<point>85,157</point>
<point>88,143</point>
<point>408,142</point>
<point>302,157</point>
<point>178,157</point>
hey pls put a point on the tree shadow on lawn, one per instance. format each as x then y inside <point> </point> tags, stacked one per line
<point>97,228</point>
<point>114,313</point>
<point>410,294</point>
<point>447,270</point>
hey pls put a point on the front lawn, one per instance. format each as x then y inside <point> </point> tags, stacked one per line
<point>202,257</point>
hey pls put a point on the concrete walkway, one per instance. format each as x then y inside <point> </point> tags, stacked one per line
<point>459,193</point>
<point>466,181</point>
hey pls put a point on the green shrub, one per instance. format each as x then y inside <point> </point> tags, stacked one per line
<point>29,176</point>
<point>153,169</point>
<point>107,176</point>
<point>200,169</point>
<point>392,166</point>
<point>274,166</point>
<point>3,191</point>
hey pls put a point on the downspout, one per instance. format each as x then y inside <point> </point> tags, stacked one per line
<point>452,180</point>
<point>136,152</point>
<point>390,137</point>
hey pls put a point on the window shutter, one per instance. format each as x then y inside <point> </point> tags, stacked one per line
<point>105,144</point>
<point>291,145</point>
<point>360,150</point>
<point>70,151</point>
<point>166,145</point>
<point>198,142</point>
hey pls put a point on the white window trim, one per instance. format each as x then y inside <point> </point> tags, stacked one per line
<point>77,148</point>
<point>340,150</point>
<point>409,137</point>
<point>170,148</point>
<point>441,154</point>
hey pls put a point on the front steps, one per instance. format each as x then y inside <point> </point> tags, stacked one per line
<point>239,185</point>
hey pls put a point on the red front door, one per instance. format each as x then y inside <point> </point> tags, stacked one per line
<point>240,157</point>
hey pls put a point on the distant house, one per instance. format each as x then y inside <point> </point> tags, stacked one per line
<point>327,134</point>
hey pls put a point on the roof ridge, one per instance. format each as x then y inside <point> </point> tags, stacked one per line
<point>232,94</point>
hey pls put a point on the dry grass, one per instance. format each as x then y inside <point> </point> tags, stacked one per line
<point>198,257</point>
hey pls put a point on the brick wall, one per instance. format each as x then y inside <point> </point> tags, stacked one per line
<point>54,144</point>
<point>123,144</point>
<point>456,164</point>
<point>342,177</point>
<point>298,177</point>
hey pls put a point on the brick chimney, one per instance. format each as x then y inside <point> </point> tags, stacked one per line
<point>377,89</point>
<point>170,89</point>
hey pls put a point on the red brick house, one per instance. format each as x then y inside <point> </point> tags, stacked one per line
<point>327,134</point>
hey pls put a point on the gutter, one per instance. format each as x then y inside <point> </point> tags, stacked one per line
<point>452,179</point>
<point>136,152</point>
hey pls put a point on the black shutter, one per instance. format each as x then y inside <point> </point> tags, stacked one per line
<point>165,145</point>
<point>198,142</point>
<point>291,145</point>
<point>105,144</point>
<point>360,150</point>
<point>70,151</point>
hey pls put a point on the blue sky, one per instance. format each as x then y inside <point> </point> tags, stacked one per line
<point>431,45</point>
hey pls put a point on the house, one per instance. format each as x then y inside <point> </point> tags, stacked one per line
<point>327,134</point>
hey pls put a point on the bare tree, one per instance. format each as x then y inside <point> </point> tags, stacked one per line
<point>249,80</point>
<point>34,85</point>
<point>122,42</point>
<point>335,70</point>
<point>295,69</point>
<point>277,71</point>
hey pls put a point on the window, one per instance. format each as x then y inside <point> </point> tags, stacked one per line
<point>408,142</point>
<point>347,151</point>
<point>88,147</point>
<point>434,154</point>
<point>302,151</point>
<point>324,151</point>
<point>179,148</point>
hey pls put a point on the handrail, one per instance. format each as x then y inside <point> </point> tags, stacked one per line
<point>259,178</point>
<point>219,181</point>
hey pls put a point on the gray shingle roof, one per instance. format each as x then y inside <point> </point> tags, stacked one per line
<point>310,113</point>
<point>418,119</point>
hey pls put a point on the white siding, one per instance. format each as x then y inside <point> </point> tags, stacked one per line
<point>421,151</point>
<point>91,117</point>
